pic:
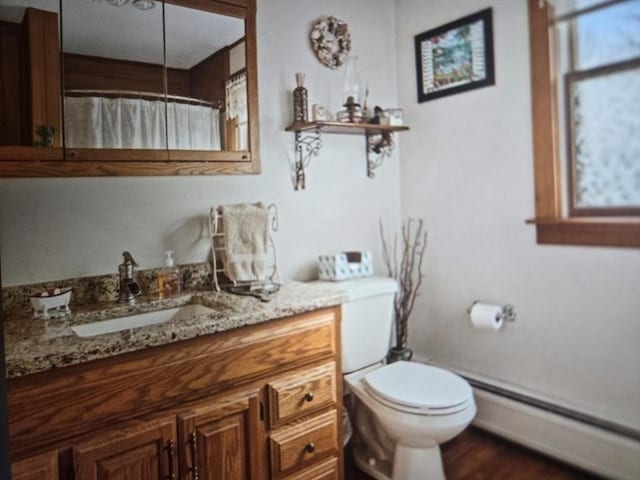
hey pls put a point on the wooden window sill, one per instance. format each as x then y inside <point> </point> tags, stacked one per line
<point>606,232</point>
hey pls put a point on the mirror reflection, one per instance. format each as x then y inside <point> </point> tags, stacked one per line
<point>114,76</point>
<point>114,92</point>
<point>208,111</point>
<point>30,107</point>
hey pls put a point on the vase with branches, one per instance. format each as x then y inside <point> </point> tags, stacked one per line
<point>406,269</point>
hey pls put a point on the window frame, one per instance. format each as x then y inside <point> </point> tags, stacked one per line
<point>552,227</point>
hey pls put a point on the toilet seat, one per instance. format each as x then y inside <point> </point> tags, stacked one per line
<point>419,389</point>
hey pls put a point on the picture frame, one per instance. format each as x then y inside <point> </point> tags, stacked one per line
<point>455,57</point>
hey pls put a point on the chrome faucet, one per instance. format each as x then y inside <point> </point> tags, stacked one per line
<point>128,287</point>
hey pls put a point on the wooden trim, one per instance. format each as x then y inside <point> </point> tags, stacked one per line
<point>251,65</point>
<point>345,127</point>
<point>241,3</point>
<point>36,168</point>
<point>207,155</point>
<point>610,232</point>
<point>340,392</point>
<point>114,155</point>
<point>545,111</point>
<point>13,154</point>
<point>551,226</point>
<point>605,211</point>
<point>213,7</point>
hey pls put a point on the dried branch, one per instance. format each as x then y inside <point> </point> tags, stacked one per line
<point>408,273</point>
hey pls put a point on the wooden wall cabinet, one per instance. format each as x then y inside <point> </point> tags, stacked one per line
<point>30,88</point>
<point>259,402</point>
<point>35,77</point>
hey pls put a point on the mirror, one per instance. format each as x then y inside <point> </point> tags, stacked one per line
<point>150,87</point>
<point>30,106</point>
<point>114,83</point>
<point>207,49</point>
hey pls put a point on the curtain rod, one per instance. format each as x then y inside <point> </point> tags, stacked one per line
<point>134,94</point>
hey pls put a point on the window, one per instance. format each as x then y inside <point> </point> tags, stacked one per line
<point>585,57</point>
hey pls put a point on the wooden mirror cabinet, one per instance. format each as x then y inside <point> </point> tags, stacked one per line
<point>128,88</point>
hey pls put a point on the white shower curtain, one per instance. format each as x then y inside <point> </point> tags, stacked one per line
<point>193,127</point>
<point>99,122</point>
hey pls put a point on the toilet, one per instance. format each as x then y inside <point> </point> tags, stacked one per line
<point>403,411</point>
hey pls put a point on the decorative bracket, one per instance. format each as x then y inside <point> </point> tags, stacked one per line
<point>379,147</point>
<point>306,146</point>
<point>380,141</point>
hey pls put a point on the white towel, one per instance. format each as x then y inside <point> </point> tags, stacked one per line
<point>246,239</point>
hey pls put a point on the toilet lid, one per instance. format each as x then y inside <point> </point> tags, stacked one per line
<point>418,386</point>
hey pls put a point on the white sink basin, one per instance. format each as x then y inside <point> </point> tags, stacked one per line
<point>140,320</point>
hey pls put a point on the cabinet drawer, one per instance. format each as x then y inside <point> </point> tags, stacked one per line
<point>301,444</point>
<point>301,393</point>
<point>325,471</point>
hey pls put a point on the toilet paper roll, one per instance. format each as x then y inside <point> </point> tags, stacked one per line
<point>486,316</point>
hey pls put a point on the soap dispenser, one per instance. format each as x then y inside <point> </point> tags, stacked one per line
<point>169,277</point>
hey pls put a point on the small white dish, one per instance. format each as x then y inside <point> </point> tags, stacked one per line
<point>51,302</point>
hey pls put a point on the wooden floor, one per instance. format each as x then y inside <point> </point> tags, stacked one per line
<point>478,455</point>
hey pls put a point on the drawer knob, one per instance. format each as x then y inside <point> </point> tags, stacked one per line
<point>310,447</point>
<point>308,396</point>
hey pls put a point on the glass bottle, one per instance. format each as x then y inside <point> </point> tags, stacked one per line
<point>351,85</point>
<point>169,277</point>
<point>300,100</point>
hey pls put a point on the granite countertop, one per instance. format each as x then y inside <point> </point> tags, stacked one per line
<point>35,345</point>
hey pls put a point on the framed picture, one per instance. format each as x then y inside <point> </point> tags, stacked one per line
<point>455,57</point>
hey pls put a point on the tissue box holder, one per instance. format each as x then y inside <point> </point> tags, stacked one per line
<point>345,266</point>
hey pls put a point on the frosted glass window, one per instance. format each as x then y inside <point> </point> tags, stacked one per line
<point>605,118</point>
<point>608,35</point>
<point>598,65</point>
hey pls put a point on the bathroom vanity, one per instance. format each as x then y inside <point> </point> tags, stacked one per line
<point>250,391</point>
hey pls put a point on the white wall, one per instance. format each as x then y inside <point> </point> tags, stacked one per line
<point>60,228</point>
<point>467,168</point>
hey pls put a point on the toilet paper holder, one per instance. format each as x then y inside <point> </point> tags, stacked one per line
<point>508,313</point>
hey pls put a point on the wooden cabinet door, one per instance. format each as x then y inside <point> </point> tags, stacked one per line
<point>143,449</point>
<point>222,439</point>
<point>39,467</point>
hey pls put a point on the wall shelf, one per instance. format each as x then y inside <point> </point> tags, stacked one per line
<point>308,142</point>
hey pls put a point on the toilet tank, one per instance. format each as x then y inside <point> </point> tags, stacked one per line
<point>367,318</point>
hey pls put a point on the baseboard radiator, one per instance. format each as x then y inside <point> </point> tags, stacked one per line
<point>607,449</point>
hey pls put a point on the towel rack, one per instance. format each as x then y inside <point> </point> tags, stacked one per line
<point>259,288</point>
